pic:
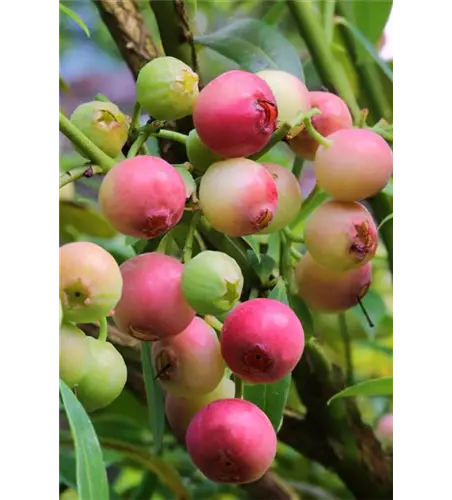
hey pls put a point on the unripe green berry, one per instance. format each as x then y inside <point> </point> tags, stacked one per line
<point>167,88</point>
<point>105,378</point>
<point>67,192</point>
<point>199,155</point>
<point>69,494</point>
<point>74,354</point>
<point>104,124</point>
<point>212,282</point>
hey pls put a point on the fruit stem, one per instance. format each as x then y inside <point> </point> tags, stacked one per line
<point>286,267</point>
<point>188,247</point>
<point>297,238</point>
<point>279,135</point>
<point>103,330</point>
<point>135,123</point>
<point>238,387</point>
<point>78,172</point>
<point>171,135</point>
<point>347,348</point>
<point>331,73</point>
<point>326,143</point>
<point>212,321</point>
<point>295,253</point>
<point>83,143</point>
<point>366,314</point>
<point>143,134</point>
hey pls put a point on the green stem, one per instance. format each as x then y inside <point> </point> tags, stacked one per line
<point>286,266</point>
<point>172,136</point>
<point>188,247</point>
<point>347,348</point>
<point>215,323</point>
<point>77,173</point>
<point>279,134</point>
<point>332,74</point>
<point>135,123</point>
<point>314,134</point>
<point>328,20</point>
<point>238,387</point>
<point>297,167</point>
<point>295,253</point>
<point>103,329</point>
<point>292,236</point>
<point>137,145</point>
<point>84,144</point>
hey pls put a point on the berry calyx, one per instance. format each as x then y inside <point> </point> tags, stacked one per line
<point>152,304</point>
<point>231,441</point>
<point>167,88</point>
<point>262,340</point>
<point>341,235</point>
<point>235,114</point>
<point>90,282</point>
<point>190,363</point>
<point>212,282</point>
<point>249,196</point>
<point>143,197</point>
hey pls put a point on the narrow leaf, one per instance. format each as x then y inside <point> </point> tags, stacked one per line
<point>386,219</point>
<point>375,387</point>
<point>254,245</point>
<point>69,12</point>
<point>154,397</point>
<point>91,475</point>
<point>279,292</point>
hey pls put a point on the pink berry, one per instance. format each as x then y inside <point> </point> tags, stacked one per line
<point>235,114</point>
<point>189,364</point>
<point>356,166</point>
<point>152,305</point>
<point>289,196</point>
<point>238,196</point>
<point>262,340</point>
<point>181,410</point>
<point>142,197</point>
<point>341,235</point>
<point>335,116</point>
<point>385,427</point>
<point>231,441</point>
<point>331,291</point>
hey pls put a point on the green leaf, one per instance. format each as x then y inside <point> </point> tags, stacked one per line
<point>376,309</point>
<point>383,222</point>
<point>154,397</point>
<point>279,292</point>
<point>255,46</point>
<point>367,46</point>
<point>270,398</point>
<point>84,220</point>
<point>147,486</point>
<point>254,245</point>
<point>280,154</point>
<point>69,12</point>
<point>91,475</point>
<point>375,387</point>
<point>303,314</point>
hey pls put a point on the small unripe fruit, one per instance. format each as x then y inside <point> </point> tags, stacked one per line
<point>198,154</point>
<point>180,411</point>
<point>231,441</point>
<point>212,282</point>
<point>385,428</point>
<point>292,96</point>
<point>357,165</point>
<point>335,116</point>
<point>74,354</point>
<point>189,364</point>
<point>235,114</point>
<point>105,378</point>
<point>143,197</point>
<point>69,494</point>
<point>152,305</point>
<point>167,88</point>
<point>90,282</point>
<point>341,235</point>
<point>238,196</point>
<point>331,291</point>
<point>104,124</point>
<point>67,192</point>
<point>289,196</point>
<point>262,340</point>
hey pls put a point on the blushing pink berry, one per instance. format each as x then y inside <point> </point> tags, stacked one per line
<point>331,291</point>
<point>231,441</point>
<point>262,340</point>
<point>238,196</point>
<point>142,197</point>
<point>152,305</point>
<point>341,235</point>
<point>357,165</point>
<point>335,116</point>
<point>385,428</point>
<point>235,114</point>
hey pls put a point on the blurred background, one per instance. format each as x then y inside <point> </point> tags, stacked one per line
<point>89,66</point>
